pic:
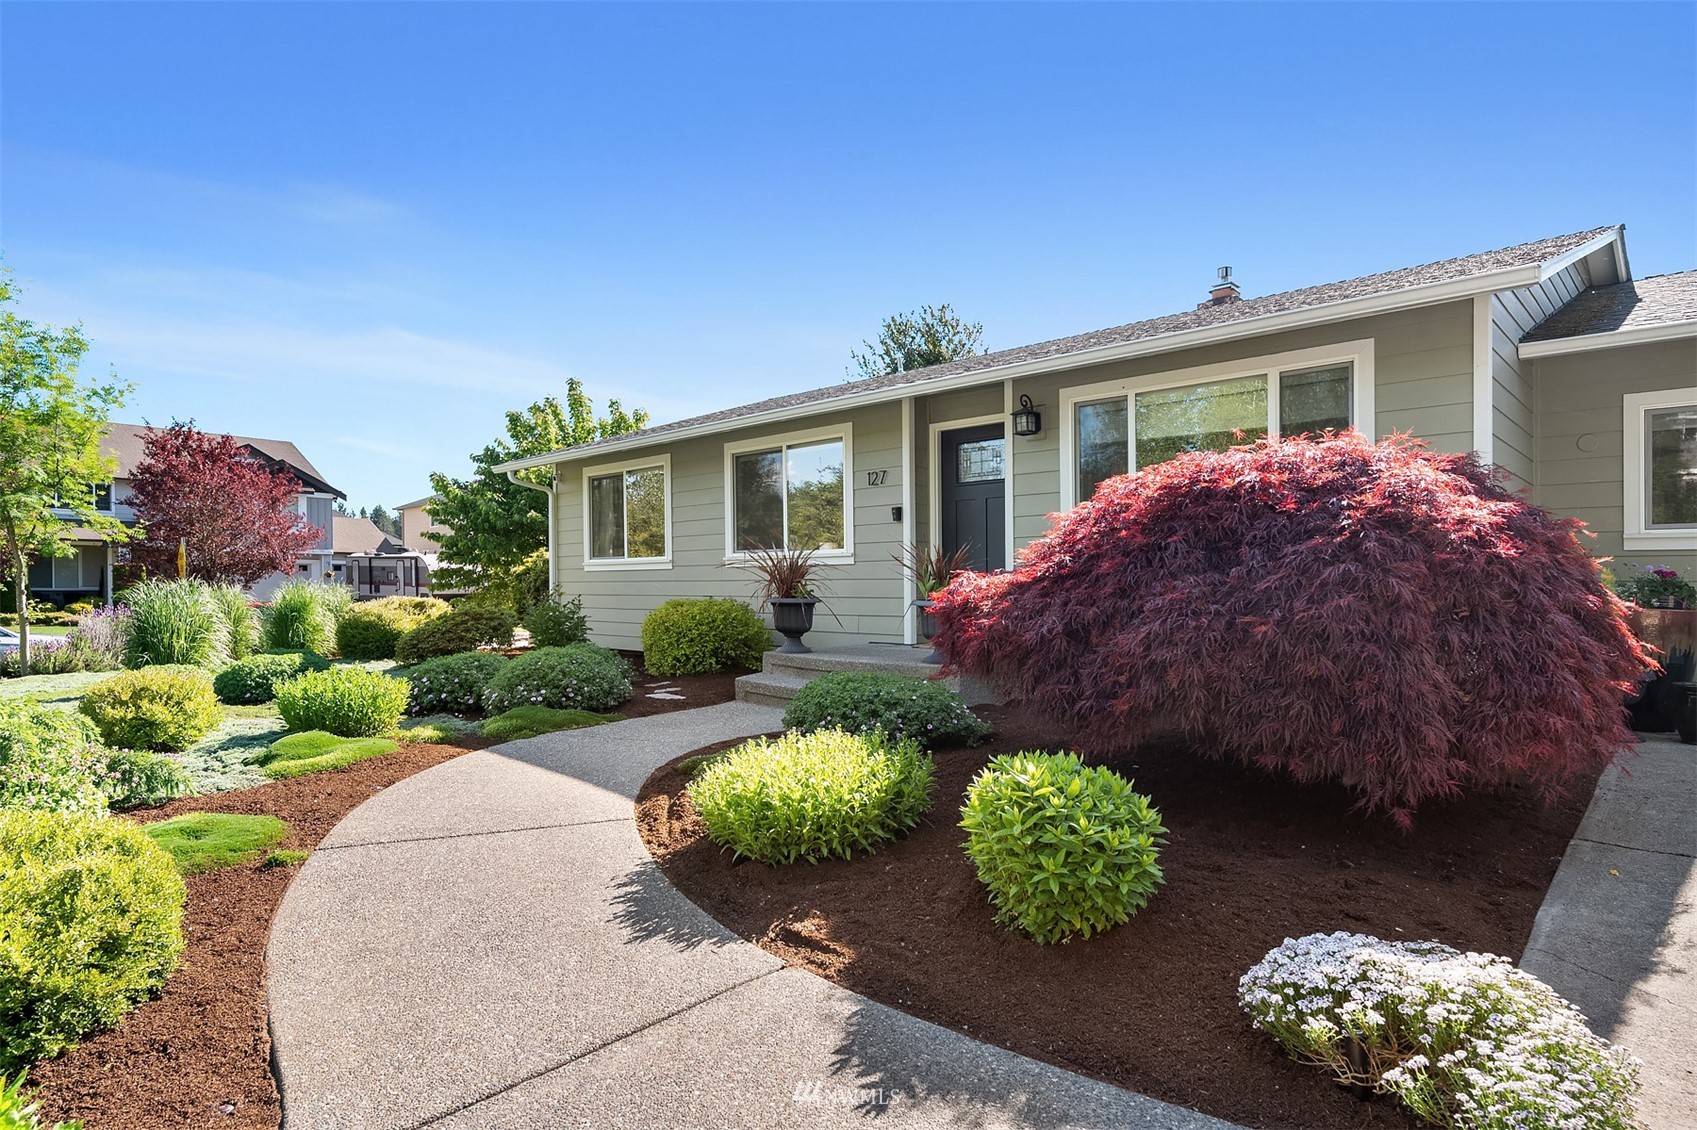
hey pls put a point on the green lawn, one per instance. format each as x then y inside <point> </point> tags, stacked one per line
<point>205,841</point>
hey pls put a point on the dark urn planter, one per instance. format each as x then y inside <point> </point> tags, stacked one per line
<point>928,628</point>
<point>792,616</point>
<point>1665,701</point>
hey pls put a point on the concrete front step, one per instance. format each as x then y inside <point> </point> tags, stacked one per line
<point>764,688</point>
<point>782,675</point>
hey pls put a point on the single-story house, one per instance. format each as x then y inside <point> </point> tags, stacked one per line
<point>1547,358</point>
<point>86,573</point>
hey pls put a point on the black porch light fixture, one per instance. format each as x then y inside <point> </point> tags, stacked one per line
<point>1027,421</point>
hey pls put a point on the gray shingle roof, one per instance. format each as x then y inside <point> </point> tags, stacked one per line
<point>1248,309</point>
<point>355,535</point>
<point>127,443</point>
<point>1656,301</point>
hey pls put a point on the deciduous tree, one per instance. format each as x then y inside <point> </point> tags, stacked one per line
<point>931,335</point>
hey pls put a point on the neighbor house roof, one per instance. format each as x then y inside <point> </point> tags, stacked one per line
<point>425,501</point>
<point>127,443</point>
<point>356,535</point>
<point>1657,308</point>
<point>1505,268</point>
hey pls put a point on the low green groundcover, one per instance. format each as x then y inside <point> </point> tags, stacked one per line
<point>315,751</point>
<point>529,721</point>
<point>206,841</point>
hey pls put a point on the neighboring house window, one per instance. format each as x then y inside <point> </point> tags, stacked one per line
<point>1120,426</point>
<point>790,492</point>
<point>102,497</point>
<point>628,514</point>
<point>80,570</point>
<point>1659,442</point>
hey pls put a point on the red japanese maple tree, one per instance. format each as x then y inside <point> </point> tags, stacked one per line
<point>235,509</point>
<point>1335,609</point>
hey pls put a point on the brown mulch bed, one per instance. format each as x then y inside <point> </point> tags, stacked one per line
<point>698,690</point>
<point>1151,1005</point>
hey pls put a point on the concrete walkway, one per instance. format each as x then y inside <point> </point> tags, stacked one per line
<point>1617,934</point>
<point>488,944</point>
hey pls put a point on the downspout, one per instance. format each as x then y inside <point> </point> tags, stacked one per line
<point>553,562</point>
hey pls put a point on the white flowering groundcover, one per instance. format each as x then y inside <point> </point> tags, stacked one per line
<point>1461,1039</point>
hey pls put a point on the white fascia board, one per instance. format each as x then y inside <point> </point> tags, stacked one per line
<point>1549,268</point>
<point>1613,339</point>
<point>1404,299</point>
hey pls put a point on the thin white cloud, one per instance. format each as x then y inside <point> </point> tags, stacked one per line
<point>382,447</point>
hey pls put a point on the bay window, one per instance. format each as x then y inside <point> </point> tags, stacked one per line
<point>789,492</point>
<point>1659,441</point>
<point>627,515</point>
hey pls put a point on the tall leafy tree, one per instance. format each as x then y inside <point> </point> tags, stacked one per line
<point>931,335</point>
<point>50,430</point>
<point>233,509</point>
<point>489,527</point>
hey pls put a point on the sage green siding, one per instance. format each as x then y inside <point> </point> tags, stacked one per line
<point>1581,464</point>
<point>1513,314</point>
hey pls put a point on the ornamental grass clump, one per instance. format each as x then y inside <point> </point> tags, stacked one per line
<point>174,623</point>
<point>167,707</point>
<point>702,635</point>
<point>898,705</point>
<point>90,924</point>
<point>579,677</point>
<point>1066,849</point>
<point>812,796</point>
<point>451,684</point>
<point>303,615</point>
<point>347,701</point>
<point>1461,1039</point>
<point>1374,614</point>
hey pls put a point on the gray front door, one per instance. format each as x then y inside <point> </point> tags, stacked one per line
<point>974,495</point>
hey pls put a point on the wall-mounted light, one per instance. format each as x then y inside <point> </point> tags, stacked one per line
<point>1027,421</point>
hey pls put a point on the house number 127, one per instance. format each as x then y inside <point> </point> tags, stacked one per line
<point>875,478</point>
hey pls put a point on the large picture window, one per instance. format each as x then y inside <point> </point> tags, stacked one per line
<point>790,493</point>
<point>1119,427</point>
<point>1660,445</point>
<point>627,514</point>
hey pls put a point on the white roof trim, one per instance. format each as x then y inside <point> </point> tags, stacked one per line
<point>1611,339</point>
<point>1549,268</point>
<point>1428,294</point>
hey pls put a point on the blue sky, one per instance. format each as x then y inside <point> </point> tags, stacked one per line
<point>373,228</point>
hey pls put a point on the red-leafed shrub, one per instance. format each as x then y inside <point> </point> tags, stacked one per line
<point>1373,614</point>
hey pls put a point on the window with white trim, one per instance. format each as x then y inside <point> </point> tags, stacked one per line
<point>627,514</point>
<point>1130,425</point>
<point>790,492</point>
<point>1660,472</point>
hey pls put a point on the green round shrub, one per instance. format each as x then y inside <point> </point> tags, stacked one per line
<point>579,677</point>
<point>50,759</point>
<point>451,684</point>
<point>532,721</point>
<point>254,679</point>
<point>90,923</point>
<point>556,622</point>
<point>698,636</point>
<point>1066,849</point>
<point>372,629</point>
<point>463,629</point>
<point>812,796</point>
<point>350,702</point>
<point>169,707</point>
<point>899,705</point>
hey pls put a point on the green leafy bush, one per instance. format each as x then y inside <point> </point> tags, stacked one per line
<point>18,1113</point>
<point>168,707</point>
<point>900,706</point>
<point>463,629</point>
<point>1461,1039</point>
<point>372,629</point>
<point>349,701</point>
<point>701,636</point>
<point>530,721</point>
<point>452,684</point>
<point>812,796</point>
<point>579,677</point>
<point>556,622</point>
<point>50,759</point>
<point>302,616</point>
<point>254,679</point>
<point>241,626</point>
<point>206,841</point>
<point>90,923</point>
<point>1066,849</point>
<point>317,751</point>
<point>138,777</point>
<point>174,623</point>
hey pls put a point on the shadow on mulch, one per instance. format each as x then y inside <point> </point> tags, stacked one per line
<point>1151,1005</point>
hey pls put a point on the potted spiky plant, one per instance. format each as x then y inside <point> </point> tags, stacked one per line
<point>930,570</point>
<point>790,582</point>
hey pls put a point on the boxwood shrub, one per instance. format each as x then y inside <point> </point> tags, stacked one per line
<point>463,629</point>
<point>451,684</point>
<point>812,796</point>
<point>580,677</point>
<point>1066,849</point>
<point>372,629</point>
<point>348,701</point>
<point>169,707</point>
<point>899,705</point>
<point>90,923</point>
<point>700,636</point>
<point>254,679</point>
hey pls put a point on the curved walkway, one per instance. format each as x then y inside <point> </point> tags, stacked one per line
<point>488,944</point>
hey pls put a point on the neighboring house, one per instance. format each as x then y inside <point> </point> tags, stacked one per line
<point>86,574</point>
<point>415,525</point>
<point>354,538</point>
<point>1546,358</point>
